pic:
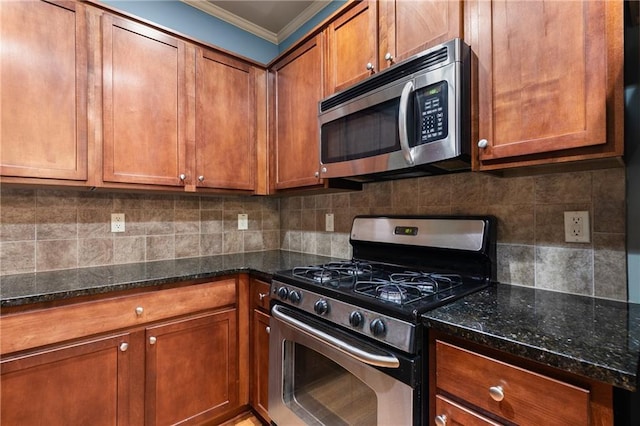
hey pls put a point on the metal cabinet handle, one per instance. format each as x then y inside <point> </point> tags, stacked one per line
<point>152,340</point>
<point>261,296</point>
<point>268,329</point>
<point>317,174</point>
<point>496,393</point>
<point>388,57</point>
<point>124,346</point>
<point>201,178</point>
<point>182,176</point>
<point>441,420</point>
<point>139,310</point>
<point>483,143</point>
<point>370,67</point>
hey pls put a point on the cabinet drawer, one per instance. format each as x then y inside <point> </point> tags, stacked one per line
<point>454,414</point>
<point>38,328</point>
<point>260,294</point>
<point>528,398</point>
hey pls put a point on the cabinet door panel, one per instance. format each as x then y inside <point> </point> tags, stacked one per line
<point>351,45</point>
<point>80,384</point>
<point>542,76</point>
<point>260,353</point>
<point>409,27</point>
<point>43,72</point>
<point>144,111</point>
<point>298,89</point>
<point>225,122</point>
<point>191,369</point>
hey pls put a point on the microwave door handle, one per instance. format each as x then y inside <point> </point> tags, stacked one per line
<point>388,360</point>
<point>403,135</point>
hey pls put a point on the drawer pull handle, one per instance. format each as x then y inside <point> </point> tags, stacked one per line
<point>497,393</point>
<point>261,296</point>
<point>441,420</point>
<point>268,329</point>
<point>124,346</point>
<point>152,340</point>
<point>139,310</point>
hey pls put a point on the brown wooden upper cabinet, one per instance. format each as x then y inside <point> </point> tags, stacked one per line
<point>144,105</point>
<point>43,64</point>
<point>549,82</point>
<point>296,85</point>
<point>374,35</point>
<point>225,141</point>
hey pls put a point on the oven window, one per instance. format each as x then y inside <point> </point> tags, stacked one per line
<point>321,391</point>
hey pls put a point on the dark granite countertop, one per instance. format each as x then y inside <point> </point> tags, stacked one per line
<point>23,289</point>
<point>594,338</point>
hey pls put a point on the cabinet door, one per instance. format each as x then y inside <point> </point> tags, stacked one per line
<point>43,72</point>
<point>144,104</point>
<point>297,84</point>
<point>83,383</point>
<point>408,27</point>
<point>352,47</point>
<point>543,79</point>
<point>192,372</point>
<point>260,363</point>
<point>225,122</point>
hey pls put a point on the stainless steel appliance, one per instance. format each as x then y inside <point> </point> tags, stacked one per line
<point>409,120</point>
<point>346,342</point>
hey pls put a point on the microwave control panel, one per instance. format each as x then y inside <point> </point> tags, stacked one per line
<point>432,109</point>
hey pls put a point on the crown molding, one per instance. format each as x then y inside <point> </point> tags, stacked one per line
<point>257,30</point>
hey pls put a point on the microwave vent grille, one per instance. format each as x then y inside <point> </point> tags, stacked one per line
<point>392,75</point>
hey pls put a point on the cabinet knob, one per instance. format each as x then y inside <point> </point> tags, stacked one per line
<point>317,174</point>
<point>152,340</point>
<point>124,346</point>
<point>483,143</point>
<point>182,176</point>
<point>201,178</point>
<point>388,57</point>
<point>441,420</point>
<point>261,296</point>
<point>496,393</point>
<point>370,67</point>
<point>268,329</point>
<point>139,310</point>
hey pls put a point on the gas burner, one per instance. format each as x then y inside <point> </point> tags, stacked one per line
<point>324,275</point>
<point>426,282</point>
<point>388,291</point>
<point>391,293</point>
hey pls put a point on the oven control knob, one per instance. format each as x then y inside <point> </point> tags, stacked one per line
<point>321,307</point>
<point>356,319</point>
<point>283,293</point>
<point>295,296</point>
<point>377,327</point>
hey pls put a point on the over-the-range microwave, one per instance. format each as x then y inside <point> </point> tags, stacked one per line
<point>412,119</point>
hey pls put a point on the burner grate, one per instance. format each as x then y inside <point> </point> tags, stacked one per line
<point>407,287</point>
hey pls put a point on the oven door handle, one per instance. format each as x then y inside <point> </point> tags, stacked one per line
<point>388,360</point>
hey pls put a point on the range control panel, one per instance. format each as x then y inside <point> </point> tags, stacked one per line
<point>432,108</point>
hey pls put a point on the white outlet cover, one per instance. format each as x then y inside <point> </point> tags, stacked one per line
<point>243,221</point>
<point>117,222</point>
<point>328,222</point>
<point>577,228</point>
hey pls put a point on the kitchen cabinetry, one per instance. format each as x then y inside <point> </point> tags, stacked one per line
<point>225,122</point>
<point>260,347</point>
<point>549,83</point>
<point>372,36</point>
<point>296,83</point>
<point>165,356</point>
<point>43,63</point>
<point>471,388</point>
<point>145,111</point>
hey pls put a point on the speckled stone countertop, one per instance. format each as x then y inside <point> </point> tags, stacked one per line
<point>594,338</point>
<point>23,289</point>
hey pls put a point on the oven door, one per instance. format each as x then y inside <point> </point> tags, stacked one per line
<point>320,375</point>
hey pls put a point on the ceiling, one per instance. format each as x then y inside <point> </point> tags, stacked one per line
<point>272,20</point>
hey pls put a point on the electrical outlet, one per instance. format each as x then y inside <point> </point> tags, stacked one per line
<point>243,221</point>
<point>576,227</point>
<point>117,222</point>
<point>328,222</point>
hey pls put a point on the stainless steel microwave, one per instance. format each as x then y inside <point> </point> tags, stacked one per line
<point>412,119</point>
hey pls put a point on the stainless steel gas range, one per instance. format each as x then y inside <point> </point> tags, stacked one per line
<point>346,342</point>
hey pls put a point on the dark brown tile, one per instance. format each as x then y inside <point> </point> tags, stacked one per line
<point>56,254</point>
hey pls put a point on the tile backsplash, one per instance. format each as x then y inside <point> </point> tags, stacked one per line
<point>45,229</point>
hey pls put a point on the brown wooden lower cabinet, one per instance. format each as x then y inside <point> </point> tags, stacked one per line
<point>470,387</point>
<point>260,348</point>
<point>178,369</point>
<point>85,383</point>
